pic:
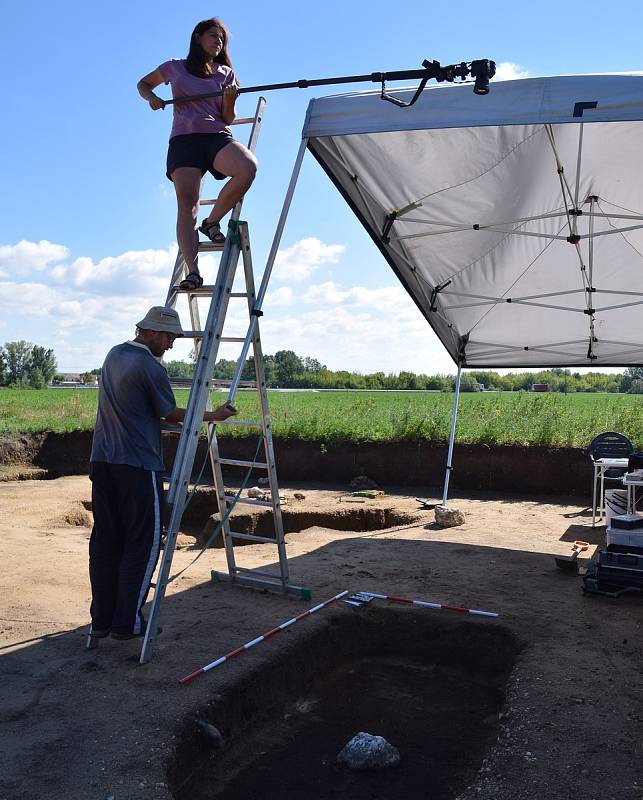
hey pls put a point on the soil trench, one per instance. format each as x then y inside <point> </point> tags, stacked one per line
<point>508,468</point>
<point>89,725</point>
<point>433,689</point>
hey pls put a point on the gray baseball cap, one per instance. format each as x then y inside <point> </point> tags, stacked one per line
<point>163,319</point>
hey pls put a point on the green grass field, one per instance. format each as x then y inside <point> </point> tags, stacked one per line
<point>486,418</point>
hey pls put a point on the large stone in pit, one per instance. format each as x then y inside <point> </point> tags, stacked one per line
<point>365,751</point>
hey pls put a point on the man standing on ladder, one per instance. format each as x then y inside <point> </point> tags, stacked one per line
<point>126,470</point>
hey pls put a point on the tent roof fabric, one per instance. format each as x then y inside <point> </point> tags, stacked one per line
<point>514,220</point>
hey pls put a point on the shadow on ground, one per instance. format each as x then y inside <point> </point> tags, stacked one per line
<point>90,724</point>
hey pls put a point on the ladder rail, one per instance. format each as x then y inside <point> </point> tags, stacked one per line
<point>189,440</point>
<point>265,411</point>
<point>206,349</point>
<point>180,267</point>
<point>198,400</point>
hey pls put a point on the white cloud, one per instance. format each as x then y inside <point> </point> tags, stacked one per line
<point>25,300</point>
<point>385,298</point>
<point>360,340</point>
<point>298,262</point>
<point>24,258</point>
<point>508,71</point>
<point>144,272</point>
<point>280,297</point>
<point>82,308</point>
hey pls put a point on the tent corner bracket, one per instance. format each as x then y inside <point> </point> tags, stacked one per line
<point>434,294</point>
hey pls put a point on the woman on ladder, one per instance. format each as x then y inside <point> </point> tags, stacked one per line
<point>201,140</point>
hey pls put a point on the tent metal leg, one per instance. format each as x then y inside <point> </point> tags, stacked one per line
<point>454,417</point>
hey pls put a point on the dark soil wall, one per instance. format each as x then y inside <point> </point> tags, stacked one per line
<point>507,468</point>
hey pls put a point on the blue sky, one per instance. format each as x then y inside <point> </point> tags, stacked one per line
<point>87,225</point>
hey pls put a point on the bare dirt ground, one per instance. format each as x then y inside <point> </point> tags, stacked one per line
<point>94,725</point>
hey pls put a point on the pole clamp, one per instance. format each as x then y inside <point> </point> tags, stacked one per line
<point>388,224</point>
<point>435,293</point>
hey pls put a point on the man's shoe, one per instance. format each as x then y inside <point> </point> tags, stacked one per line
<point>99,633</point>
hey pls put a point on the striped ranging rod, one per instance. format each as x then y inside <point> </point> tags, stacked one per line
<point>406,601</point>
<point>261,638</point>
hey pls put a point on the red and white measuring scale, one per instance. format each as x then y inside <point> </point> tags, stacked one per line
<point>261,638</point>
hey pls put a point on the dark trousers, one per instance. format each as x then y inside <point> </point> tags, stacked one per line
<point>124,545</point>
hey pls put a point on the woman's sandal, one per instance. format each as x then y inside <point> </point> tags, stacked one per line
<point>213,231</point>
<point>191,281</point>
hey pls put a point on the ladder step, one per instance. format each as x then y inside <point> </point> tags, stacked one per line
<point>209,247</point>
<point>250,537</point>
<point>243,121</point>
<point>228,382</point>
<point>200,334</point>
<point>249,571</point>
<point>202,291</point>
<point>281,586</point>
<point>239,424</point>
<point>221,382</point>
<point>251,501</point>
<point>237,462</point>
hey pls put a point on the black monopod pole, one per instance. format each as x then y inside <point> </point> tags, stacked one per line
<point>481,70</point>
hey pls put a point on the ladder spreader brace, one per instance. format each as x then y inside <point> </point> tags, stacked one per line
<point>207,341</point>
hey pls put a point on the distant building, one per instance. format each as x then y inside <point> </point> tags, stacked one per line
<point>540,387</point>
<point>71,379</point>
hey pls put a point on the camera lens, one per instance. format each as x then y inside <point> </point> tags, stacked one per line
<point>482,71</point>
<point>481,86</point>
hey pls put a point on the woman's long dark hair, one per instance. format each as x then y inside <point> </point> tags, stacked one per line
<point>197,62</point>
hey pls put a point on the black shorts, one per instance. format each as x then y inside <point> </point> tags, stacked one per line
<point>196,150</point>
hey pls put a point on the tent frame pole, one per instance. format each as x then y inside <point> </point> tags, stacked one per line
<point>454,418</point>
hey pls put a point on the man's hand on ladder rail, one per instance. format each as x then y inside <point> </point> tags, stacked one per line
<point>219,414</point>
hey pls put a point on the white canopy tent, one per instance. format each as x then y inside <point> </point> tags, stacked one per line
<point>514,220</point>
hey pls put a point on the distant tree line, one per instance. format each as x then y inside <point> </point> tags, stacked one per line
<point>26,365</point>
<point>286,370</point>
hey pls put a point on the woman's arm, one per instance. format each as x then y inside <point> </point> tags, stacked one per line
<point>227,107</point>
<point>146,87</point>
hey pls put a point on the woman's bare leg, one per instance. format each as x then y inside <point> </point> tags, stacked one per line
<point>240,164</point>
<point>187,183</point>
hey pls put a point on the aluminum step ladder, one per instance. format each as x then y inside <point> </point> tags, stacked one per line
<point>207,339</point>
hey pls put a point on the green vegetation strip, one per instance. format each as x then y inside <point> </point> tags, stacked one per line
<point>485,418</point>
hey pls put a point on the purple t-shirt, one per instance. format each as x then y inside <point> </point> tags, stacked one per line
<point>196,116</point>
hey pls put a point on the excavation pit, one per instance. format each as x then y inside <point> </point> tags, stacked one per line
<point>343,519</point>
<point>432,686</point>
<point>199,522</point>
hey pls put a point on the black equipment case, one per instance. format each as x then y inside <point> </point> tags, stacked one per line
<point>615,573</point>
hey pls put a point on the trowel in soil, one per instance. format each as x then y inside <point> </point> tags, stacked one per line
<point>570,563</point>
